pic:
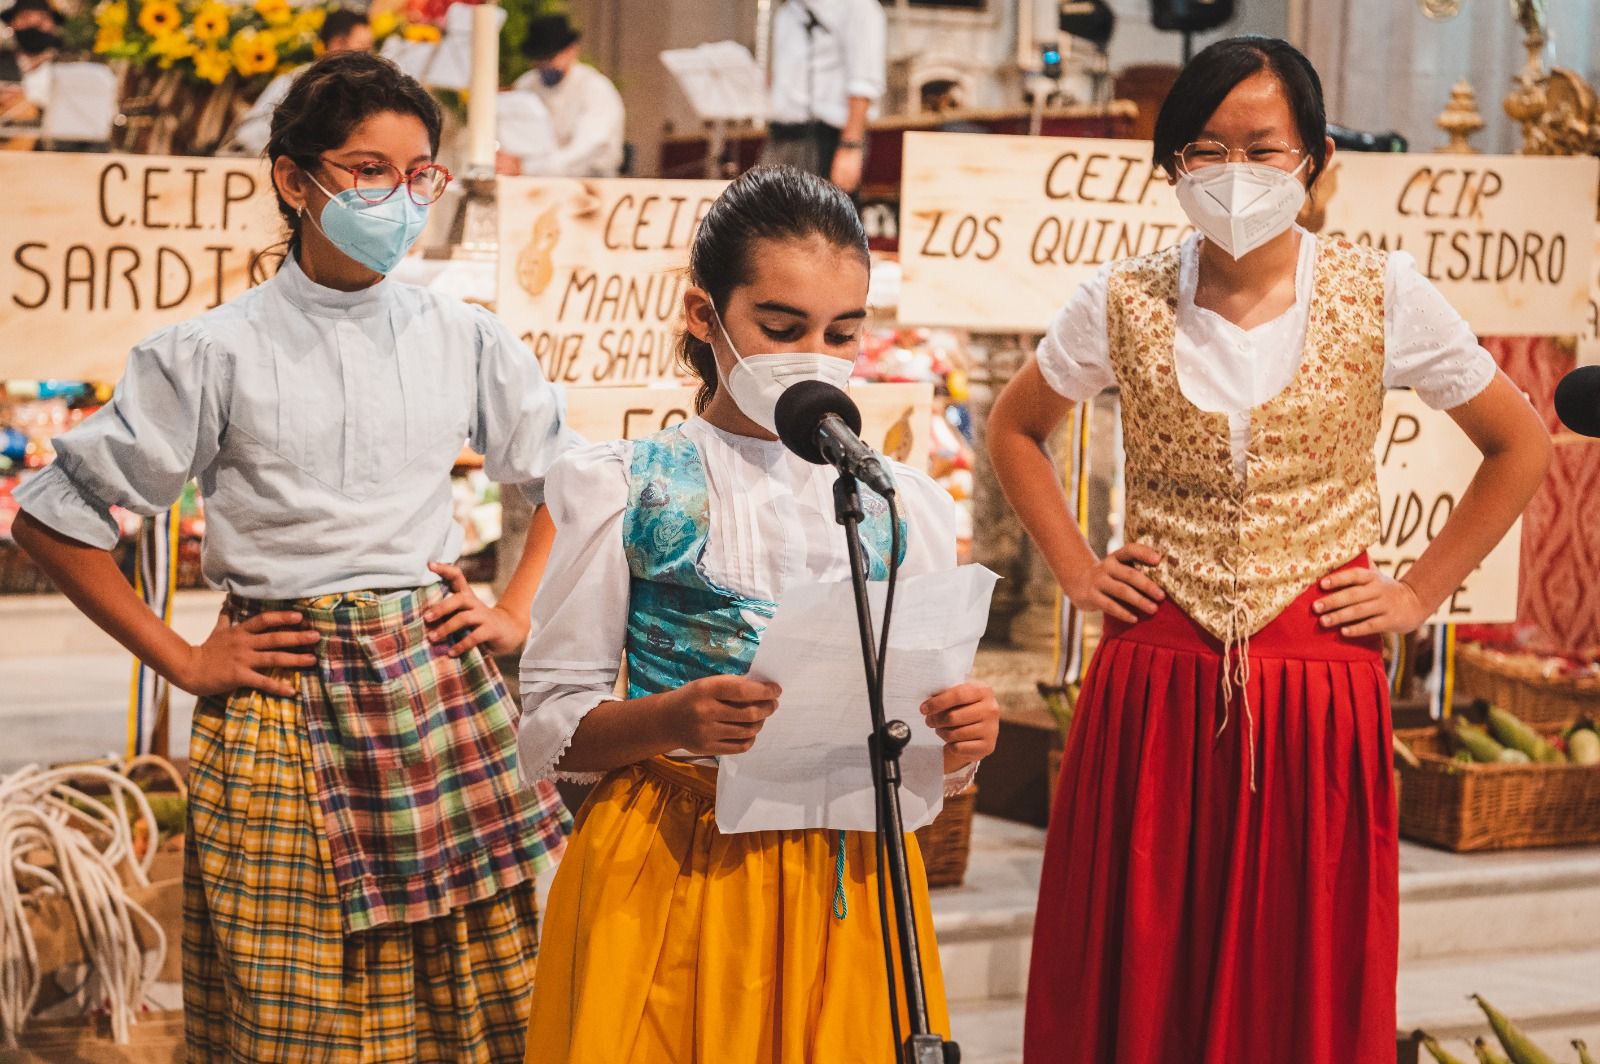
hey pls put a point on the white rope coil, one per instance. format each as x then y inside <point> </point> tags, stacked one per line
<point>58,841</point>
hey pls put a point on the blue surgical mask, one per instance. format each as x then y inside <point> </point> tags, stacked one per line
<point>377,235</point>
<point>551,76</point>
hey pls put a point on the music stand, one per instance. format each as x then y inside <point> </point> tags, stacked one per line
<point>723,84</point>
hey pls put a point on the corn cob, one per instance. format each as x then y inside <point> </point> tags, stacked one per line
<point>1517,735</point>
<point>1485,1053</point>
<point>1584,745</point>
<point>1478,742</point>
<point>1437,1051</point>
<point>1516,1043</point>
<point>1583,1051</point>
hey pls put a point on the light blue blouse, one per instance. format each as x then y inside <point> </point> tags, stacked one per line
<point>322,427</point>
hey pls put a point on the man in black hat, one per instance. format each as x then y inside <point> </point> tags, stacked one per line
<point>25,63</point>
<point>585,108</point>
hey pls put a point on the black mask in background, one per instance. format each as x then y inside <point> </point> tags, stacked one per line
<point>34,41</point>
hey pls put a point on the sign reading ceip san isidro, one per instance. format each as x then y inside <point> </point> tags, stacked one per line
<point>1425,463</point>
<point>592,273</point>
<point>98,251</point>
<point>998,231</point>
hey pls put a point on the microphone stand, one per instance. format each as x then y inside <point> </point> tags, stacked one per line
<point>887,740</point>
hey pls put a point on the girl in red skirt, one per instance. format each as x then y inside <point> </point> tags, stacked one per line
<point>1220,882</point>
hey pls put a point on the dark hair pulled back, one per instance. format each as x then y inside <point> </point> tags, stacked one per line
<point>339,22</point>
<point>1206,80</point>
<point>766,203</point>
<point>328,100</point>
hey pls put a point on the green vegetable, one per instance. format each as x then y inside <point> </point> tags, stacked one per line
<point>1584,746</point>
<point>170,810</point>
<point>1437,1051</point>
<point>1516,1043</point>
<point>1517,735</point>
<point>1485,1053</point>
<point>1583,1051</point>
<point>1515,757</point>
<point>1477,742</point>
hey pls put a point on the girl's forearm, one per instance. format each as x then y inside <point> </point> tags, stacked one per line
<point>617,733</point>
<point>1491,504</point>
<point>1031,484</point>
<point>517,598</point>
<point>89,577</point>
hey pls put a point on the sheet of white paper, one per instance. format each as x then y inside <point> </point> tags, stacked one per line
<point>720,79</point>
<point>809,767</point>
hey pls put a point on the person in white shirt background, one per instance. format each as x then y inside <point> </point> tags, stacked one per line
<point>828,73</point>
<point>25,66</point>
<point>343,30</point>
<point>585,109</point>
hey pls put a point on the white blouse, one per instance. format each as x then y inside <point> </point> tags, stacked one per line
<point>1224,369</point>
<point>772,525</point>
<point>321,425</point>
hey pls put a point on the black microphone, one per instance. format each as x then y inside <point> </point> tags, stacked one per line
<point>1578,401</point>
<point>821,424</point>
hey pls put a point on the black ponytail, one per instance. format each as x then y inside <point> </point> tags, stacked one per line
<point>767,203</point>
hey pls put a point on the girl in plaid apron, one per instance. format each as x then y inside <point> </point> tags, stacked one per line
<point>361,854</point>
<point>667,940</point>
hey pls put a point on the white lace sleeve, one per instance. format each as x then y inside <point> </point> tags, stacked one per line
<point>1075,354</point>
<point>580,613</point>
<point>1428,346</point>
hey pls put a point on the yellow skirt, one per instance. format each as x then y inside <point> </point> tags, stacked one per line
<point>666,940</point>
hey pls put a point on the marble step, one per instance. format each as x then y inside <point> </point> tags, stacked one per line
<point>1553,996</point>
<point>1512,903</point>
<point>985,926</point>
<point>1451,906</point>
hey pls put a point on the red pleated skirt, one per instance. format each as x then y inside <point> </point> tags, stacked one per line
<point>1183,918</point>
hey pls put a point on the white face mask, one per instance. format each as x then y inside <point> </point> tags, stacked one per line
<point>755,381</point>
<point>1240,206</point>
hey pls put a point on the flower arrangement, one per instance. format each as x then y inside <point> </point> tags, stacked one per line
<point>209,40</point>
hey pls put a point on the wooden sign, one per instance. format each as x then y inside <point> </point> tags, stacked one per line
<point>1589,338</point>
<point>997,232</point>
<point>592,274</point>
<point>1505,237</point>
<point>1425,463</point>
<point>895,418</point>
<point>98,251</point>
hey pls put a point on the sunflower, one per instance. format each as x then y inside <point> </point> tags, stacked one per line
<point>111,16</point>
<point>210,21</point>
<point>159,17</point>
<point>421,31</point>
<point>309,21</point>
<point>254,53</point>
<point>275,12</point>
<point>108,39</point>
<point>212,64</point>
<point>171,47</point>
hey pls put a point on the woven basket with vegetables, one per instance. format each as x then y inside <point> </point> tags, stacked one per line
<point>1507,785</point>
<point>1539,690</point>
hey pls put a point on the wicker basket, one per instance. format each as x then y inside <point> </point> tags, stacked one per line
<point>1466,807</point>
<point>946,842</point>
<point>1517,684</point>
<point>18,574</point>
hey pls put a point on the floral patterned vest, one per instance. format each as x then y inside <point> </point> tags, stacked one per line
<point>1238,552</point>
<point>682,625</point>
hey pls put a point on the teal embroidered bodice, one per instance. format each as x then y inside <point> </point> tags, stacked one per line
<point>682,625</point>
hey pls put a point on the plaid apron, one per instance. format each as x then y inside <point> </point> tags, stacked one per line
<point>358,885</point>
<point>414,756</point>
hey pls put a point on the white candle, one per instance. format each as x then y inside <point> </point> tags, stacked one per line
<point>483,86</point>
